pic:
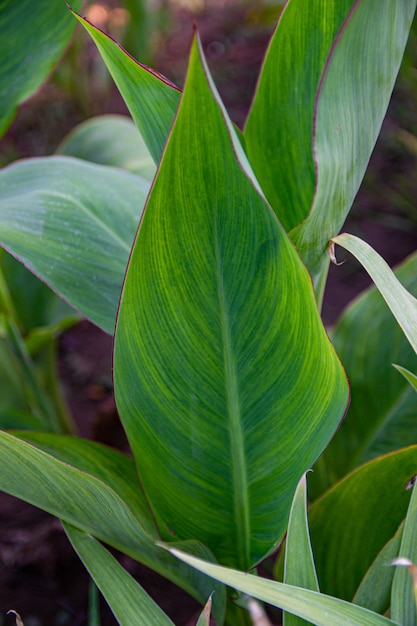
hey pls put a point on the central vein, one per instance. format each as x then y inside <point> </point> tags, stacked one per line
<point>237,443</point>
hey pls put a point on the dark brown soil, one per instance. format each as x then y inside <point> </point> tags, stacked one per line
<point>40,576</point>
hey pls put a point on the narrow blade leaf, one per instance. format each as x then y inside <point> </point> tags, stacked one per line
<point>128,601</point>
<point>72,223</point>
<point>150,97</point>
<point>314,607</point>
<point>299,568</point>
<point>215,304</point>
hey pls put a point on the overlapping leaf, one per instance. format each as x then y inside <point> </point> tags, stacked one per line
<point>353,521</point>
<point>381,416</point>
<point>33,37</point>
<point>95,489</point>
<point>225,380</point>
<point>150,97</point>
<point>72,223</point>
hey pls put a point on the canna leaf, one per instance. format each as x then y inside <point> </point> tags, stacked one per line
<point>309,605</point>
<point>32,41</point>
<point>299,569</point>
<point>403,593</point>
<point>409,376</point>
<point>110,140</point>
<point>128,601</point>
<point>216,304</point>
<point>354,520</point>
<point>95,489</point>
<point>352,100</point>
<point>374,592</point>
<point>378,391</point>
<point>72,223</point>
<point>150,97</point>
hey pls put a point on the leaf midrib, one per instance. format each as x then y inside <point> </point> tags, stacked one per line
<point>234,416</point>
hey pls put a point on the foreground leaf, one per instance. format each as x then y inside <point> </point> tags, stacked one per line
<point>95,489</point>
<point>309,605</point>
<point>129,602</point>
<point>110,140</point>
<point>32,40</point>
<point>404,587</point>
<point>352,100</point>
<point>150,97</point>
<point>354,520</point>
<point>72,223</point>
<point>299,569</point>
<point>368,341</point>
<point>215,305</point>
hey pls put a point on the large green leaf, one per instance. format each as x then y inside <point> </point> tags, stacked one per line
<point>33,37</point>
<point>299,570</point>
<point>314,607</point>
<point>351,102</point>
<point>279,129</point>
<point>150,97</point>
<point>110,140</point>
<point>96,489</point>
<point>404,595</point>
<point>72,223</point>
<point>353,521</point>
<point>222,366</point>
<point>381,416</point>
<point>128,601</point>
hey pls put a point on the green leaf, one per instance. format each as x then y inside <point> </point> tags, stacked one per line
<point>222,366</point>
<point>404,594</point>
<point>368,340</point>
<point>403,305</point>
<point>309,605</point>
<point>96,489</point>
<point>299,562</point>
<point>32,40</point>
<point>128,601</point>
<point>204,619</point>
<point>374,592</point>
<point>279,129</point>
<point>352,99</point>
<point>72,223</point>
<point>110,140</point>
<point>150,97</point>
<point>354,520</point>
<point>409,376</point>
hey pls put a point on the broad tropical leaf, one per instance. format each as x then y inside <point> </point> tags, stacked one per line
<point>128,601</point>
<point>354,520</point>
<point>222,366</point>
<point>110,140</point>
<point>351,103</point>
<point>312,606</point>
<point>150,97</point>
<point>95,489</point>
<point>299,568</point>
<point>382,413</point>
<point>404,592</point>
<point>73,223</point>
<point>33,37</point>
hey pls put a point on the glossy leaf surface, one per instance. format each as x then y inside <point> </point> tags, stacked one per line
<point>222,366</point>
<point>110,140</point>
<point>403,595</point>
<point>351,103</point>
<point>95,489</point>
<point>128,601</point>
<point>353,521</point>
<point>150,97</point>
<point>33,37</point>
<point>309,605</point>
<point>72,223</point>
<point>299,569</point>
<point>381,416</point>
